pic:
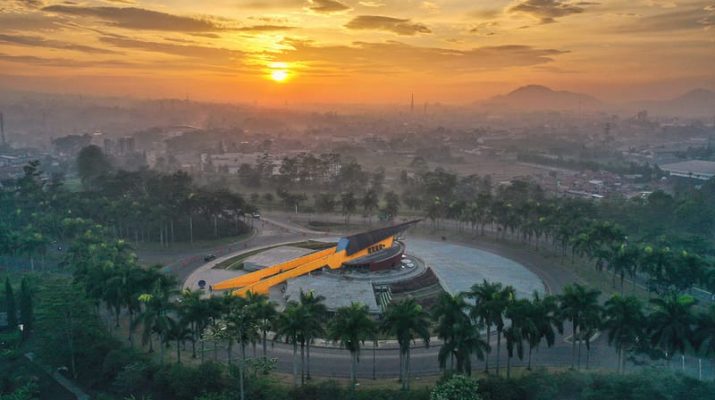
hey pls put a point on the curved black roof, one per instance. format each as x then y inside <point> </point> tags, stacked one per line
<point>360,241</point>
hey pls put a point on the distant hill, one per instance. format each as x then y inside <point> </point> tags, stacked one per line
<point>537,97</point>
<point>695,103</point>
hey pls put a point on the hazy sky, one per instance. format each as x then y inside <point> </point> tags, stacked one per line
<point>357,51</point>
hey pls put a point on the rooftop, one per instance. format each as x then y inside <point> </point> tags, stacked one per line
<point>697,169</point>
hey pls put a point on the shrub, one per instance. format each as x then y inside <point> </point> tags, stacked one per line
<point>458,387</point>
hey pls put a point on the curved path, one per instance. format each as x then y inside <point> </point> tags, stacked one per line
<point>327,360</point>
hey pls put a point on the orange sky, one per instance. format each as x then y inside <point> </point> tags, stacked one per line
<point>374,51</point>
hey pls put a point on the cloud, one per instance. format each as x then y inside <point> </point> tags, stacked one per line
<point>36,41</point>
<point>327,6</point>
<point>211,55</point>
<point>273,4</point>
<point>23,21</point>
<point>26,4</point>
<point>686,19</point>
<point>548,10</point>
<point>395,25</point>
<point>140,18</point>
<point>265,28</point>
<point>63,62</point>
<point>371,4</point>
<point>396,56</point>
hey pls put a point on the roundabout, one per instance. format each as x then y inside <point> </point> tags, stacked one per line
<point>438,266</point>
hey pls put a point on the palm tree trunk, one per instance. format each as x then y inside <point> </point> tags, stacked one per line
<point>374,360</point>
<point>353,370</point>
<point>295,364</point>
<point>302,363</point>
<point>191,229</point>
<point>486,359</point>
<point>307,360</point>
<point>265,349</point>
<point>240,370</point>
<point>498,348</point>
<point>508,367</point>
<point>202,350</point>
<point>407,369</point>
<point>178,352</point>
<point>529,364</point>
<point>161,349</point>
<point>230,348</point>
<point>573,346</point>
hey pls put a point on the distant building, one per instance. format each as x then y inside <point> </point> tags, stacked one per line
<point>693,169</point>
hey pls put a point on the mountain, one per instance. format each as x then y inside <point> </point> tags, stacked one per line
<point>695,103</point>
<point>537,97</point>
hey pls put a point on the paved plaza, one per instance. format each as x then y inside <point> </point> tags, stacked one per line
<point>459,267</point>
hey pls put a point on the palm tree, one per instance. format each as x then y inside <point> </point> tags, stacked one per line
<point>486,296</point>
<point>448,313</point>
<point>463,341</point>
<point>407,321</point>
<point>500,304</point>
<point>314,328</point>
<point>178,331</point>
<point>514,341</point>
<point>265,314</point>
<point>624,321</point>
<point>351,326</point>
<point>241,327</point>
<point>671,323</point>
<point>577,302</point>
<point>195,311</point>
<point>543,316</point>
<point>289,326</point>
<point>154,318</point>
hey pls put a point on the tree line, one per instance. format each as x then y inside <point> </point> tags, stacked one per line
<point>40,214</point>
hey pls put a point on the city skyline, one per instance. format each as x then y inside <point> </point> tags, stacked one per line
<point>322,51</point>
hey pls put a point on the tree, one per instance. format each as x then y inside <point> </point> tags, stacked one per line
<point>500,303</point>
<point>195,311</point>
<point>351,326</point>
<point>461,336</point>
<point>92,164</point>
<point>392,205</point>
<point>406,321</point>
<point>10,307</point>
<point>544,320</point>
<point>486,309</point>
<point>624,321</point>
<point>154,318</point>
<point>316,310</point>
<point>577,303</point>
<point>670,324</point>
<point>289,326</point>
<point>348,204</point>
<point>178,331</point>
<point>265,314</point>
<point>241,328</point>
<point>370,201</point>
<point>66,323</point>
<point>26,308</point>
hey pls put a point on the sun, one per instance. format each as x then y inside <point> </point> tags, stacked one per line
<point>279,75</point>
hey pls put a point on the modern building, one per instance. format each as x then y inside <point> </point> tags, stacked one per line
<point>692,169</point>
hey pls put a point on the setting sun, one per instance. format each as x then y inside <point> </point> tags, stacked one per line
<point>279,75</point>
